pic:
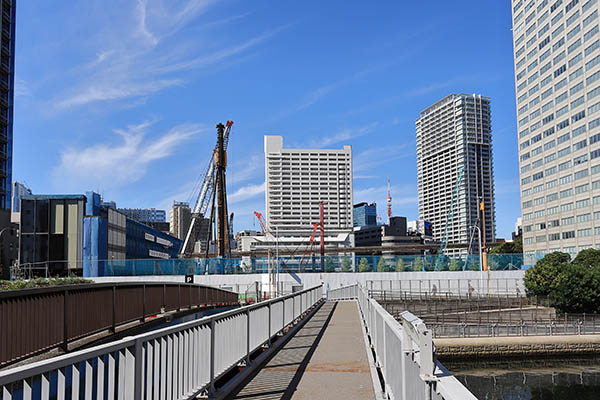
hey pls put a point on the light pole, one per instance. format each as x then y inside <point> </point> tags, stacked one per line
<point>480,255</point>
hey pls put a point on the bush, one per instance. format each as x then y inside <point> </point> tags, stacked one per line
<point>41,282</point>
<point>364,266</point>
<point>540,280</point>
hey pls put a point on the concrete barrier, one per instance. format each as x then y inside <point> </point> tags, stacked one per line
<point>454,282</point>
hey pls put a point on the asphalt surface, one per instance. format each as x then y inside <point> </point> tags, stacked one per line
<point>326,359</point>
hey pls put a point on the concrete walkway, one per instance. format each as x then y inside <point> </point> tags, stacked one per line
<point>326,359</point>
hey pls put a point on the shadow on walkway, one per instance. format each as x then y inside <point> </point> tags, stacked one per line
<point>280,377</point>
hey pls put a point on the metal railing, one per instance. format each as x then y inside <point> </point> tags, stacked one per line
<point>404,352</point>
<point>552,328</point>
<point>179,361</point>
<point>474,287</point>
<point>36,320</point>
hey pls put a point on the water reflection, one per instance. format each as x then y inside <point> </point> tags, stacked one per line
<point>541,379</point>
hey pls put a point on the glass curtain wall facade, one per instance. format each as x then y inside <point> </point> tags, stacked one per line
<point>557,86</point>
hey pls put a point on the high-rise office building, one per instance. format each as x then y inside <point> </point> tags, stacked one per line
<point>297,180</point>
<point>145,214</point>
<point>9,240</point>
<point>365,214</point>
<point>557,83</point>
<point>19,190</point>
<point>7,80</point>
<point>453,133</point>
<point>181,217</point>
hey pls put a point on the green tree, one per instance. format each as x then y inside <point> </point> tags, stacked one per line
<point>514,247</point>
<point>576,289</point>
<point>418,265</point>
<point>364,266</point>
<point>540,280</point>
<point>400,266</point>
<point>346,264</point>
<point>455,264</point>
<point>588,257</point>
<point>329,265</point>
<point>381,265</point>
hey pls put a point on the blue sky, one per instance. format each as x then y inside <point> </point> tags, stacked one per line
<point>122,97</point>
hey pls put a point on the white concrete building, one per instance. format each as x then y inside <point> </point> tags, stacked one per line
<point>456,132</point>
<point>557,83</point>
<point>298,179</point>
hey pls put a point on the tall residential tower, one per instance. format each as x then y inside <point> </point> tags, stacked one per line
<point>456,132</point>
<point>557,83</point>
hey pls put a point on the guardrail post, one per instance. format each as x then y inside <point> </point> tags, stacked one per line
<point>283,316</point>
<point>247,337</point>
<point>212,356</point>
<point>138,371</point>
<point>143,303</point>
<point>269,323</point>
<point>65,319</point>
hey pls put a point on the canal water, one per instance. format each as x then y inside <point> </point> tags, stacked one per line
<point>530,379</point>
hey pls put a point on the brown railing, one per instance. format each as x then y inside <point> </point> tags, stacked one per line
<point>36,320</point>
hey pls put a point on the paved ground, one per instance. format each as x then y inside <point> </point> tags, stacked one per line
<point>326,359</point>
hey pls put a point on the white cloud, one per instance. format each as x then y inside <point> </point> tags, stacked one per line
<point>21,88</point>
<point>380,155</point>
<point>111,166</point>
<point>344,135</point>
<point>246,192</point>
<point>146,54</point>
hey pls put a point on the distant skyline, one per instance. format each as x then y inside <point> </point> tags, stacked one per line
<point>124,96</point>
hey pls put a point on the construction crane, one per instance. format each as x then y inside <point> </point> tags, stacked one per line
<point>213,184</point>
<point>449,220</point>
<point>389,203</point>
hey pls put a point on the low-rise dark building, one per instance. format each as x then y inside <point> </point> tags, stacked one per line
<point>382,236</point>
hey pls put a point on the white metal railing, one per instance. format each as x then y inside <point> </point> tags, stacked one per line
<point>177,362</point>
<point>405,352</point>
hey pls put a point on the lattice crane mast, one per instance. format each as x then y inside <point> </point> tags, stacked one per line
<point>206,197</point>
<point>449,219</point>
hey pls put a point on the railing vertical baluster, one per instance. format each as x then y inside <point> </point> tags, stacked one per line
<point>100,377</point>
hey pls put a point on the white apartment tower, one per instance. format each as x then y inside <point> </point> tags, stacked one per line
<point>296,180</point>
<point>557,83</point>
<point>456,132</point>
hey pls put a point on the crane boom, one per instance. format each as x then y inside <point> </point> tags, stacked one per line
<point>204,195</point>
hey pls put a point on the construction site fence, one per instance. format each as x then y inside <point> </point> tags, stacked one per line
<point>331,263</point>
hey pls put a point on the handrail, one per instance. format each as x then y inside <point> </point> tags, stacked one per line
<point>179,361</point>
<point>56,316</point>
<point>404,352</point>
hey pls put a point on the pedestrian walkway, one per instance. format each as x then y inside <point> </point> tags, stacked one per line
<point>326,359</point>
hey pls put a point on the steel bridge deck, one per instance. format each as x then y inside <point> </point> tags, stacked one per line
<point>326,359</point>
